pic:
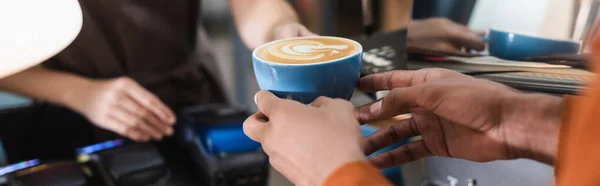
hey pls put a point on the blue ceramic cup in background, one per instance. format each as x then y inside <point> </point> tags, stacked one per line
<point>304,82</point>
<point>512,46</point>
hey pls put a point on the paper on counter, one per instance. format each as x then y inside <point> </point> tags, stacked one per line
<point>490,60</point>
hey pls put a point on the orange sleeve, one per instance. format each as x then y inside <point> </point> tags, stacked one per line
<point>578,156</point>
<point>564,132</point>
<point>358,173</point>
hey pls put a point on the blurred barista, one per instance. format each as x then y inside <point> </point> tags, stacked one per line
<point>137,61</point>
<point>432,34</point>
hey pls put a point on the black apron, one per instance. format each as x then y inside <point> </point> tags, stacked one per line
<point>155,42</point>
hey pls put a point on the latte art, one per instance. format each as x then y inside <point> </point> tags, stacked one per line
<point>307,50</point>
<point>304,50</point>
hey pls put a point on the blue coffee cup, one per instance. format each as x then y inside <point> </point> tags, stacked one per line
<point>305,82</point>
<point>512,46</point>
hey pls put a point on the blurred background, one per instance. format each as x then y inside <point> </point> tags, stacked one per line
<point>556,19</point>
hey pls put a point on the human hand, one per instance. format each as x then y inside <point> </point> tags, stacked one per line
<point>458,116</point>
<point>123,106</point>
<point>290,30</point>
<point>305,142</point>
<point>441,34</point>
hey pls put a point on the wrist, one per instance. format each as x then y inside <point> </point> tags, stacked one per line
<point>337,161</point>
<point>532,124</point>
<point>74,95</point>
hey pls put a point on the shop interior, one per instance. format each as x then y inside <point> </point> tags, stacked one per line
<point>32,128</point>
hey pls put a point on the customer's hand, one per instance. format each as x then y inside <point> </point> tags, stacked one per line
<point>305,142</point>
<point>291,30</point>
<point>123,106</point>
<point>443,35</point>
<point>458,116</point>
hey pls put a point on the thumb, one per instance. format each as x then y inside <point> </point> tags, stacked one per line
<point>267,102</point>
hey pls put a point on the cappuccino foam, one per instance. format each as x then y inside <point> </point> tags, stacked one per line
<point>307,50</point>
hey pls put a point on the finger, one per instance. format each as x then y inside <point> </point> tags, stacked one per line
<point>151,103</point>
<point>144,126</point>
<point>254,126</point>
<point>119,127</point>
<point>136,123</point>
<point>453,48</point>
<point>404,78</point>
<point>403,154</point>
<point>321,101</point>
<point>398,101</point>
<point>267,102</point>
<point>396,132</point>
<point>466,38</point>
<point>480,32</point>
<point>138,111</point>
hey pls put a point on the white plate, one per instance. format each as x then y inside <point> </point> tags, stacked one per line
<point>31,31</point>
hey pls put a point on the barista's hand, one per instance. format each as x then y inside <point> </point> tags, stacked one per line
<point>123,106</point>
<point>305,142</point>
<point>458,116</point>
<point>291,30</point>
<point>441,34</point>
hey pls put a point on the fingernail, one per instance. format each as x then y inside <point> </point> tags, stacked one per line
<point>169,131</point>
<point>255,98</point>
<point>375,108</point>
